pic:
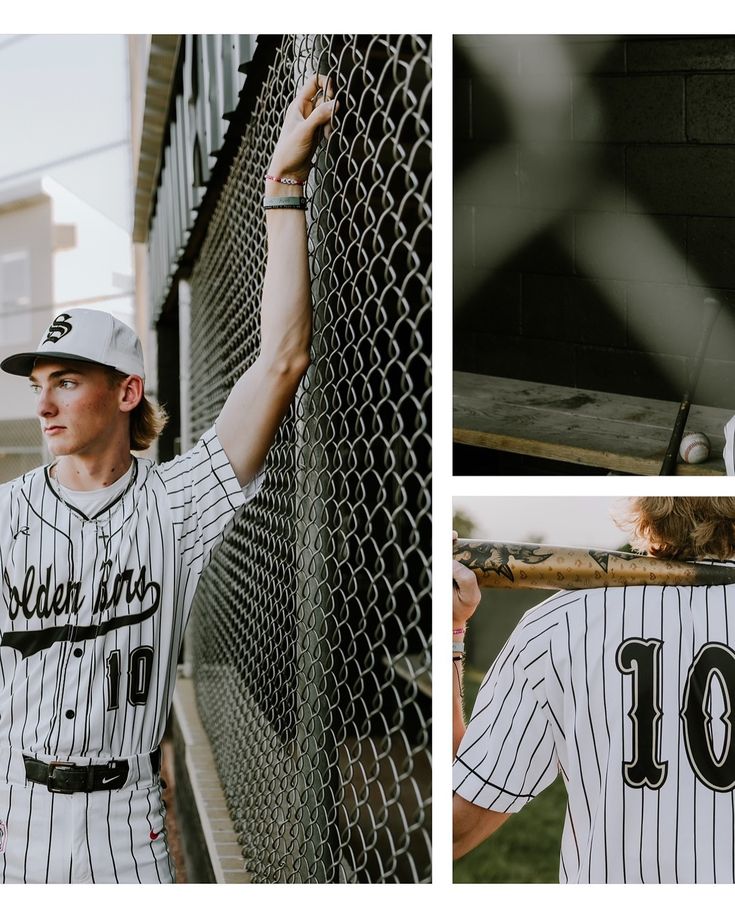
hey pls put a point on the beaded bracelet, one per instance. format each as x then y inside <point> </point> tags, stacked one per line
<point>277,202</point>
<point>284,181</point>
<point>459,630</point>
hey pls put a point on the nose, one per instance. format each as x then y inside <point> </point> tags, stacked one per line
<point>45,406</point>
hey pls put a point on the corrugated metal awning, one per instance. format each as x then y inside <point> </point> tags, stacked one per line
<point>162,64</point>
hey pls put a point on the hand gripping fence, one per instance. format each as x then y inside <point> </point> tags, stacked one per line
<point>311,629</point>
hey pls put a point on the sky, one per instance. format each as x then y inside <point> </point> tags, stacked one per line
<point>582,521</point>
<point>62,96</point>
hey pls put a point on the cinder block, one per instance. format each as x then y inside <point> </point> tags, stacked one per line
<point>489,177</point>
<point>711,108</point>
<point>524,240</point>
<point>488,53</point>
<point>681,180</point>
<point>525,358</point>
<point>629,109</point>
<point>464,237</point>
<point>710,248</point>
<point>533,108</point>
<point>630,247</point>
<point>490,301</point>
<point>574,310</point>
<point>595,311</point>
<point>630,373</point>
<point>461,108</point>
<point>568,176</point>
<point>572,54</point>
<point>542,307</point>
<point>722,343</point>
<point>716,386</point>
<point>664,318</point>
<point>681,54</point>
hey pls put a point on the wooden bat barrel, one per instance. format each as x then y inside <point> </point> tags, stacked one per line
<point>510,565</point>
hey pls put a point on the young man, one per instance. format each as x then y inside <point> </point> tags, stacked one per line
<point>629,693</point>
<point>101,553</point>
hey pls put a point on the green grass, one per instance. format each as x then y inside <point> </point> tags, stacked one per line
<point>526,848</point>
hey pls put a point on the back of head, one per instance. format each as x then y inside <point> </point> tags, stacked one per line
<point>683,527</point>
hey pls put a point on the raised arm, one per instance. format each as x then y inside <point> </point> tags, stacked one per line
<point>258,402</point>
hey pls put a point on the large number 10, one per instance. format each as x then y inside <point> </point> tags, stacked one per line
<point>139,676</point>
<point>641,659</point>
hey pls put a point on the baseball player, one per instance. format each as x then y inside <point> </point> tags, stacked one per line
<point>101,553</point>
<point>629,693</point>
<point>728,453</point>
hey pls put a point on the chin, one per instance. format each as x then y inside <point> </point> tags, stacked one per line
<point>57,449</point>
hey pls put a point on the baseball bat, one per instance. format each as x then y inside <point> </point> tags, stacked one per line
<point>511,565</point>
<point>712,310</point>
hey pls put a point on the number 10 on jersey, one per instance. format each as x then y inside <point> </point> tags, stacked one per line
<point>641,659</point>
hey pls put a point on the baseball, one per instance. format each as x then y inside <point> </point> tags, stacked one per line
<point>694,447</point>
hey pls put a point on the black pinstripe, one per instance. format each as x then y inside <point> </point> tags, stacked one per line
<point>550,682</point>
<point>156,537</point>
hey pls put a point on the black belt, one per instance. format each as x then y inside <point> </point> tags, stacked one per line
<point>68,778</point>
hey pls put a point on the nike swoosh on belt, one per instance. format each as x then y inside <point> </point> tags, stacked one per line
<point>30,642</point>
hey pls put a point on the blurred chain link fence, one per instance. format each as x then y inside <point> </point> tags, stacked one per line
<point>21,447</point>
<point>311,630</point>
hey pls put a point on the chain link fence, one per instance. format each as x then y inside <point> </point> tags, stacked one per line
<point>21,447</point>
<point>311,630</point>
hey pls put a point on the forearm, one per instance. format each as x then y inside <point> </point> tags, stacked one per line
<point>458,721</point>
<point>286,299</point>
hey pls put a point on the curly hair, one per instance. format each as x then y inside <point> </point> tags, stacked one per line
<point>682,527</point>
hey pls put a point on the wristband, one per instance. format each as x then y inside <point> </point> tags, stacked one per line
<point>458,647</point>
<point>276,202</point>
<point>459,630</point>
<point>284,181</point>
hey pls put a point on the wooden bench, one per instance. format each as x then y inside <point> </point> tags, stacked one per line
<point>621,433</point>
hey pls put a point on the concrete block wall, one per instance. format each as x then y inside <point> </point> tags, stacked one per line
<point>595,210</point>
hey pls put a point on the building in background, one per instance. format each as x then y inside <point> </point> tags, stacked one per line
<point>56,252</point>
<point>65,204</point>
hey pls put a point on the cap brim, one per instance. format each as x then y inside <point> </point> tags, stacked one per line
<point>22,364</point>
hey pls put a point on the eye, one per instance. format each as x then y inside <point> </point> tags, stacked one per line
<point>66,383</point>
<point>35,389</point>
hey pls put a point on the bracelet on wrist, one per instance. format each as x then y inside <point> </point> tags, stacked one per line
<point>283,202</point>
<point>284,181</point>
<point>459,630</point>
<point>458,646</point>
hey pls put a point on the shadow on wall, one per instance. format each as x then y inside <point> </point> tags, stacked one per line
<point>594,211</point>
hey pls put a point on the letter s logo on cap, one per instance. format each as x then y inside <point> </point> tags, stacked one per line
<point>58,328</point>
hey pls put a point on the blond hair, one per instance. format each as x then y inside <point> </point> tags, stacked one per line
<point>682,527</point>
<point>147,419</point>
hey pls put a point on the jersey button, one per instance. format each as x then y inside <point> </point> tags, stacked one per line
<point>78,652</point>
<point>70,715</point>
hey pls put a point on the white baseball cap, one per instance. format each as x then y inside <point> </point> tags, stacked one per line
<point>88,335</point>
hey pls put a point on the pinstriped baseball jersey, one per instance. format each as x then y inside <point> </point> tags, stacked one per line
<point>728,453</point>
<point>629,693</point>
<point>93,611</point>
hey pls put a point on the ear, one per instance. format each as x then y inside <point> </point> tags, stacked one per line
<point>131,393</point>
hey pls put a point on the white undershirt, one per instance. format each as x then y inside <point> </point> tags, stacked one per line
<point>91,502</point>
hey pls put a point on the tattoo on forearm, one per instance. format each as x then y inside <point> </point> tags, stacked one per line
<point>458,669</point>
